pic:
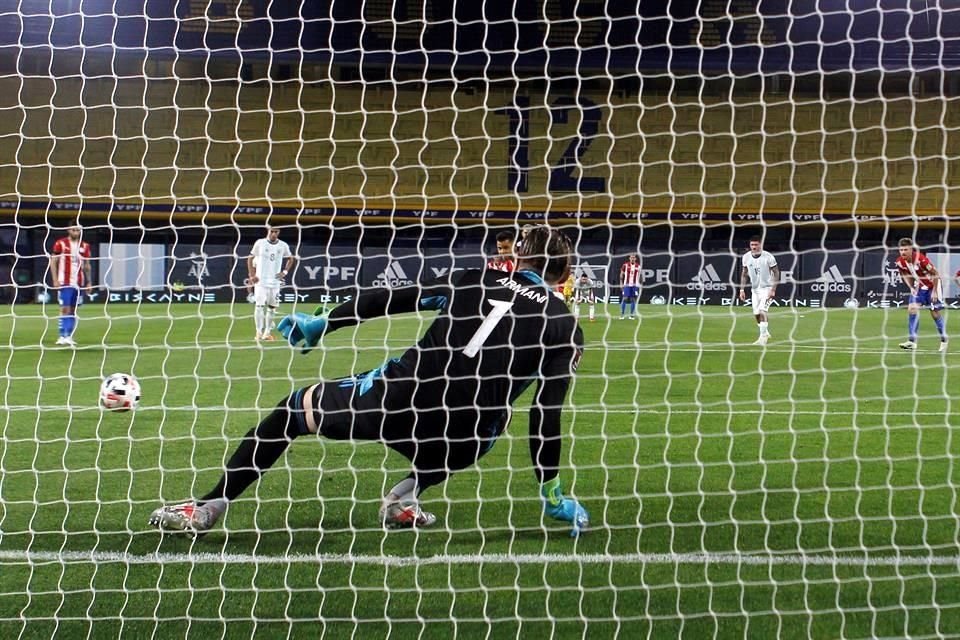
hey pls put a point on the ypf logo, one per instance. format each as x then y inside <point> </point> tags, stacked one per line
<point>707,280</point>
<point>392,276</point>
<point>831,280</point>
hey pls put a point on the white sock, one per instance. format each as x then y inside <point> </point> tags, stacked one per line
<point>763,328</point>
<point>268,321</point>
<point>576,310</point>
<point>404,491</point>
<point>258,318</point>
<point>591,311</point>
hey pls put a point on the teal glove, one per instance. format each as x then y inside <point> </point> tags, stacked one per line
<point>558,507</point>
<point>302,328</point>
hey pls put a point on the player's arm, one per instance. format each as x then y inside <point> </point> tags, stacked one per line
<point>908,280</point>
<point>366,305</point>
<point>288,268</point>
<point>545,434</point>
<point>744,277</point>
<point>86,273</point>
<point>774,279</point>
<point>55,269</point>
<point>934,276</point>
<point>251,270</point>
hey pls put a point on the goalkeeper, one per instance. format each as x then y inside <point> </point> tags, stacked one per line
<point>445,401</point>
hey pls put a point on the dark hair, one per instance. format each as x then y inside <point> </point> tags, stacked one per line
<point>906,242</point>
<point>548,251</point>
<point>756,239</point>
<point>505,236</point>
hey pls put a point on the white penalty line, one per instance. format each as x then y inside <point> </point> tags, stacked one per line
<point>668,559</point>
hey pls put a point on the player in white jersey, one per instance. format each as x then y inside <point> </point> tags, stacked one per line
<point>583,293</point>
<point>760,268</point>
<point>266,274</point>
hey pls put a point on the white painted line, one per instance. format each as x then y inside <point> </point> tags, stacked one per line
<point>734,559</point>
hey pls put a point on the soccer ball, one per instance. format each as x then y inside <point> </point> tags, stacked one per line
<point>120,392</point>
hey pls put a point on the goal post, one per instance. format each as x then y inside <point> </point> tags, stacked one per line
<point>782,467</point>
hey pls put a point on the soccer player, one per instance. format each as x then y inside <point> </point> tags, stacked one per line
<point>584,294</point>
<point>921,277</point>
<point>70,272</point>
<point>443,403</point>
<point>266,275</point>
<point>503,261</point>
<point>630,285</point>
<point>760,268</point>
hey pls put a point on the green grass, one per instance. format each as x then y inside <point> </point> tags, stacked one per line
<point>680,439</point>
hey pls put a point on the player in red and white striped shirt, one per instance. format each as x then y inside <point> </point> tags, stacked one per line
<point>70,272</point>
<point>919,274</point>
<point>630,278</point>
<point>503,261</point>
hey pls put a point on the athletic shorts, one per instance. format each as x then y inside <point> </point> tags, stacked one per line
<point>264,295</point>
<point>761,300</point>
<point>361,407</point>
<point>631,292</point>
<point>924,298</point>
<point>69,296</point>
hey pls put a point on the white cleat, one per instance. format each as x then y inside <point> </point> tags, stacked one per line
<point>762,341</point>
<point>187,518</point>
<point>60,340</point>
<point>943,346</point>
<point>909,345</point>
<point>397,515</point>
<point>67,341</point>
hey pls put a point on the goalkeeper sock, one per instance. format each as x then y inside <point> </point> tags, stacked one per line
<point>405,490</point>
<point>261,447</point>
<point>939,322</point>
<point>913,326</point>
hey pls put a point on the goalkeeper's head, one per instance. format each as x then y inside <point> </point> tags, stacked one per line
<point>546,251</point>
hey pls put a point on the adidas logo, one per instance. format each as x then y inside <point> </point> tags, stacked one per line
<point>831,280</point>
<point>392,276</point>
<point>707,280</point>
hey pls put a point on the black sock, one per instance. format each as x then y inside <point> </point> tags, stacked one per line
<point>261,447</point>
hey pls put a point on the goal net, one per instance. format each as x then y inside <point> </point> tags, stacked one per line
<point>804,486</point>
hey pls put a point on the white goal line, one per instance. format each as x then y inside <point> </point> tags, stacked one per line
<point>734,559</point>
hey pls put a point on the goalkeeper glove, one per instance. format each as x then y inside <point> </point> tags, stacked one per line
<point>558,507</point>
<point>302,328</point>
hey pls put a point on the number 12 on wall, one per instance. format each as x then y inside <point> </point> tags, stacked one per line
<point>561,175</point>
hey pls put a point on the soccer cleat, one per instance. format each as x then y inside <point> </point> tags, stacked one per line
<point>909,345</point>
<point>187,517</point>
<point>621,317</point>
<point>397,515</point>
<point>943,346</point>
<point>762,340</point>
<point>60,340</point>
<point>268,337</point>
<point>68,341</point>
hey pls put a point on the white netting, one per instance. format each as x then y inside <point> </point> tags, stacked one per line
<point>804,489</point>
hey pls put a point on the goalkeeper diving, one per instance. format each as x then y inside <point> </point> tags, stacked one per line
<point>443,403</point>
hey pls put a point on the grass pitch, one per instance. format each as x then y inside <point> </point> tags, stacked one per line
<point>808,489</point>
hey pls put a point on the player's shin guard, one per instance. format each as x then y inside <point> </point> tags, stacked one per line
<point>913,326</point>
<point>261,447</point>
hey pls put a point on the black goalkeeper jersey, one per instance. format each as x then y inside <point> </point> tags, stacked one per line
<point>495,335</point>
